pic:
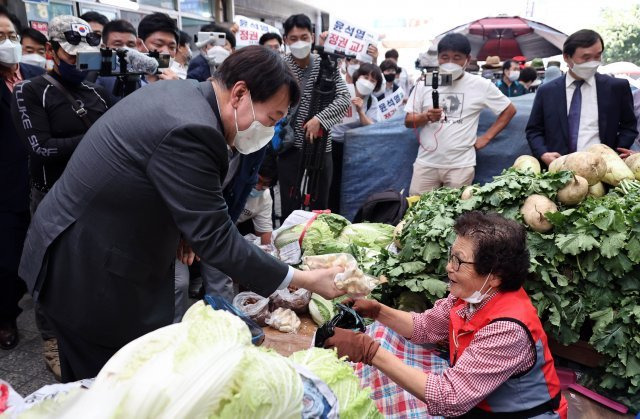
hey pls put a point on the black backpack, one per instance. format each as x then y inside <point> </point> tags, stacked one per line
<point>386,207</point>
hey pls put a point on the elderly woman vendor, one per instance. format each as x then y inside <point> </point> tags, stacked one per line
<point>499,358</point>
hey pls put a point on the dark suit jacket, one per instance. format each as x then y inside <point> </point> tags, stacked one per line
<point>548,126</point>
<point>14,174</point>
<point>100,249</point>
<point>199,69</point>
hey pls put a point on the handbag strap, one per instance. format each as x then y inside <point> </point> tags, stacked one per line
<point>76,104</point>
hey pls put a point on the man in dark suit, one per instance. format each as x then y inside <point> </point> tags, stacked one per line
<point>100,251</point>
<point>583,107</point>
<point>14,182</point>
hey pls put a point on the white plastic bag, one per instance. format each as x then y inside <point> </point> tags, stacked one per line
<point>253,305</point>
<point>352,280</point>
<point>284,320</point>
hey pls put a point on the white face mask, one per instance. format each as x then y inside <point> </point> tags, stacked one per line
<point>300,49</point>
<point>586,70</point>
<point>364,86</point>
<point>352,68</point>
<point>454,69</point>
<point>10,52</point>
<point>477,297</point>
<point>34,59</point>
<point>217,54</point>
<point>514,75</point>
<point>253,138</point>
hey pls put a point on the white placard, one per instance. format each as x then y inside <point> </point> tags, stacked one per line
<point>250,31</point>
<point>348,39</point>
<point>390,104</point>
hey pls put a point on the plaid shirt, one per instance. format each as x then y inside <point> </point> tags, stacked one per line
<point>497,352</point>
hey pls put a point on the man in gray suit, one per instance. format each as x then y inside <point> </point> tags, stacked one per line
<point>100,251</point>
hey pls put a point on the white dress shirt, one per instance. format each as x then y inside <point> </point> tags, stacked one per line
<point>588,132</point>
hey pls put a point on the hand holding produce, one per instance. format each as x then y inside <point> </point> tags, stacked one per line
<point>549,158</point>
<point>358,347</point>
<point>352,280</point>
<point>320,281</point>
<point>366,308</point>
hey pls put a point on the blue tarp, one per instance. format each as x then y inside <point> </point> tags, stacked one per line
<point>380,157</point>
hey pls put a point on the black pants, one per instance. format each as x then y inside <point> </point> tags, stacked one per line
<point>337,156</point>
<point>13,229</point>
<point>288,173</point>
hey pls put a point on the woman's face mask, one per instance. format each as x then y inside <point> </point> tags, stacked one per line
<point>253,138</point>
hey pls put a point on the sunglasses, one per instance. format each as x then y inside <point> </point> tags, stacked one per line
<point>74,38</point>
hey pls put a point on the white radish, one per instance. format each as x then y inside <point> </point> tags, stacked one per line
<point>574,192</point>
<point>590,166</point>
<point>633,163</point>
<point>527,163</point>
<point>557,165</point>
<point>467,193</point>
<point>533,211</point>
<point>597,190</point>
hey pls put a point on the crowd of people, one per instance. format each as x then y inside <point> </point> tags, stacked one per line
<point>109,175</point>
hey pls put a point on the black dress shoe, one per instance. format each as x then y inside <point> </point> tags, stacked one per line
<point>8,335</point>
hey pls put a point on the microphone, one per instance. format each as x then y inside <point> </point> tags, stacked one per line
<point>139,62</point>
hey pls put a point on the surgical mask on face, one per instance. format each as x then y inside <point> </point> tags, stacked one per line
<point>34,59</point>
<point>364,86</point>
<point>217,54</point>
<point>514,75</point>
<point>300,49</point>
<point>389,77</point>
<point>456,70</point>
<point>253,138</point>
<point>10,52</point>
<point>255,193</point>
<point>177,68</point>
<point>352,68</point>
<point>586,70</point>
<point>70,73</point>
<point>477,297</point>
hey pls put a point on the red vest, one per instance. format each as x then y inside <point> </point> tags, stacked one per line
<point>525,391</point>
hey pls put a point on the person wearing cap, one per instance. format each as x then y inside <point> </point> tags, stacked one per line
<point>14,180</point>
<point>490,67</point>
<point>582,108</point>
<point>508,84</point>
<point>211,55</point>
<point>521,60</point>
<point>51,126</point>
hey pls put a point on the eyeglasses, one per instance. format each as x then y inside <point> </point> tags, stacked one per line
<point>74,38</point>
<point>13,37</point>
<point>456,261</point>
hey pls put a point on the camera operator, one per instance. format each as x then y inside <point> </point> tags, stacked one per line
<point>51,114</point>
<point>211,55</point>
<point>298,37</point>
<point>119,34</point>
<point>448,132</point>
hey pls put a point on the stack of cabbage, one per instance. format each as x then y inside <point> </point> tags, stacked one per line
<point>203,367</point>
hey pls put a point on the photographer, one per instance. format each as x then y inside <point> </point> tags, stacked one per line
<point>298,37</point>
<point>211,55</point>
<point>119,34</point>
<point>448,132</point>
<point>51,114</point>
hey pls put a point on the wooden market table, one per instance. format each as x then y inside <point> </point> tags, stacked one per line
<point>287,343</point>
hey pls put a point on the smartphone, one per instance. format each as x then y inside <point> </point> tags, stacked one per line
<point>220,38</point>
<point>89,61</point>
<point>163,60</point>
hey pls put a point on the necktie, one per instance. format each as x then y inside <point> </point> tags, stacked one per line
<point>574,115</point>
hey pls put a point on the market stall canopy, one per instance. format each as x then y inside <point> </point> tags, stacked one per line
<point>510,36</point>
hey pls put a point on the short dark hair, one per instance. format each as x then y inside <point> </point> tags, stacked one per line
<point>367,69</point>
<point>95,17</point>
<point>119,25</point>
<point>528,74</point>
<point>185,38</point>
<point>268,37</point>
<point>455,42</point>
<point>13,18</point>
<point>37,36</point>
<point>584,38</point>
<point>157,22</point>
<point>264,71</point>
<point>298,21</point>
<point>500,246</point>
<point>392,53</point>
<point>212,27</point>
<point>269,166</point>
<point>506,65</point>
<point>388,65</point>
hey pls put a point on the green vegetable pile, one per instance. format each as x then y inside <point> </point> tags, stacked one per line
<point>585,271</point>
